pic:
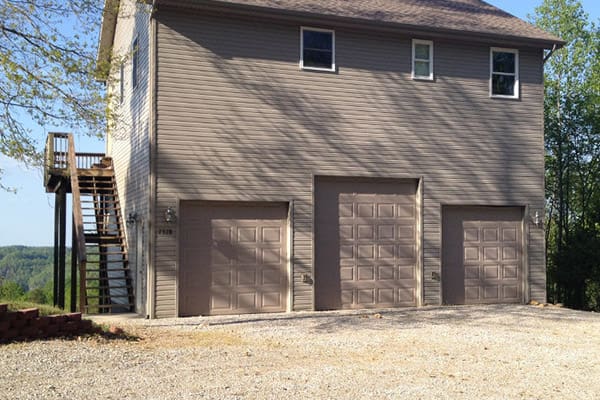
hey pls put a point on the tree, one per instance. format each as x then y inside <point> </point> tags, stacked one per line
<point>572,139</point>
<point>10,290</point>
<point>47,72</point>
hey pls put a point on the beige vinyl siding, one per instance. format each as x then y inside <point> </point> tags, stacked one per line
<point>238,120</point>
<point>128,142</point>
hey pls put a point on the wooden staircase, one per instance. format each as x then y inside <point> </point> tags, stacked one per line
<point>99,246</point>
<point>107,282</point>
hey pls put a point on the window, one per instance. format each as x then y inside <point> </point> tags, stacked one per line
<point>134,63</point>
<point>317,49</point>
<point>422,56</point>
<point>121,83</point>
<point>504,71</point>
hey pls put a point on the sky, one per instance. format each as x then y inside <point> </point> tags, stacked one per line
<point>26,218</point>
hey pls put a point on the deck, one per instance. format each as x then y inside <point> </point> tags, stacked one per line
<point>56,163</point>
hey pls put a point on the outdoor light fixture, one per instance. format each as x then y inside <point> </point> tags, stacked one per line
<point>536,219</point>
<point>170,215</point>
<point>131,219</point>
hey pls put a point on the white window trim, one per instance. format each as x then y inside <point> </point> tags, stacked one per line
<point>430,44</point>
<point>308,28</point>
<point>516,74</point>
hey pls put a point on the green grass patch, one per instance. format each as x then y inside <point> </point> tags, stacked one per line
<point>45,309</point>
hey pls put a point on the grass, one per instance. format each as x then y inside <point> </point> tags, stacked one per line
<point>45,309</point>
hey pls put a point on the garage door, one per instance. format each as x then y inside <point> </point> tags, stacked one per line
<point>482,251</point>
<point>365,244</point>
<point>233,258</point>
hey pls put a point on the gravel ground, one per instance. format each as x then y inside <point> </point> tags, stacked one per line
<point>497,352</point>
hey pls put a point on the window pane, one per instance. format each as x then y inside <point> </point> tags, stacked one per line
<point>318,40</point>
<point>422,51</point>
<point>317,59</point>
<point>422,68</point>
<point>503,85</point>
<point>504,62</point>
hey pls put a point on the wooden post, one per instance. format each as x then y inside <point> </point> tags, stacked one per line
<point>62,267</point>
<point>73,268</point>
<point>56,261</point>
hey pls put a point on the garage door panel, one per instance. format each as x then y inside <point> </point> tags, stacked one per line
<point>246,265</point>
<point>407,296</point>
<point>491,293</point>
<point>510,292</point>
<point>385,296</point>
<point>407,272</point>
<point>271,300</point>
<point>509,235</point>
<point>385,210</point>
<point>510,271</point>
<point>386,232</point>
<point>359,253</point>
<point>366,273</point>
<point>385,273</point>
<point>482,255</point>
<point>510,253</point>
<point>221,301</point>
<point>406,233</point>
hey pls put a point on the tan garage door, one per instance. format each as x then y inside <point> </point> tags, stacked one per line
<point>365,243</point>
<point>482,251</point>
<point>233,258</point>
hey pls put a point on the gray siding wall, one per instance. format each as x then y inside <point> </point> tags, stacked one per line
<point>128,140</point>
<point>238,120</point>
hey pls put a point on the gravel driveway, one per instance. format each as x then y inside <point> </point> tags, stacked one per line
<point>498,352</point>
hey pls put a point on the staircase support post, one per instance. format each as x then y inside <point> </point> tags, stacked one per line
<point>73,268</point>
<point>62,267</point>
<point>56,261</point>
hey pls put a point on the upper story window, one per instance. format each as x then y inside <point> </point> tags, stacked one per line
<point>422,59</point>
<point>135,60</point>
<point>504,73</point>
<point>317,49</point>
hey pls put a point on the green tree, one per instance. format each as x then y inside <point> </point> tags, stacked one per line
<point>47,71</point>
<point>10,290</point>
<point>38,296</point>
<point>572,138</point>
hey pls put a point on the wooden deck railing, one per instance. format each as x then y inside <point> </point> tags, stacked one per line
<point>56,156</point>
<point>55,153</point>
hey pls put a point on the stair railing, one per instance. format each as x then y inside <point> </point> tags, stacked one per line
<point>78,222</point>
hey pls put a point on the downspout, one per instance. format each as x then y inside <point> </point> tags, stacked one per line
<point>545,241</point>
<point>151,281</point>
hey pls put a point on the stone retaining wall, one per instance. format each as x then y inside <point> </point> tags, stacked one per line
<point>28,325</point>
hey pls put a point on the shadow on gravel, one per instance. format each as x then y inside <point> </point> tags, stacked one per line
<point>410,318</point>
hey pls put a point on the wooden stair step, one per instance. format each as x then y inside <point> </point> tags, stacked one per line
<point>107,297</point>
<point>104,239</point>
<point>109,305</point>
<point>106,278</point>
<point>102,244</point>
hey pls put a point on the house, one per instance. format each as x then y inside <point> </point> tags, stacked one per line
<point>285,155</point>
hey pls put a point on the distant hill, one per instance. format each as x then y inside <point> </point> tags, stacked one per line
<point>30,267</point>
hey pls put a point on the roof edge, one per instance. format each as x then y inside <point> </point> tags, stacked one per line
<point>223,6</point>
<point>110,15</point>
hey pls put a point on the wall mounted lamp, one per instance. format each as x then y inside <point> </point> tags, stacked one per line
<point>170,215</point>
<point>131,218</point>
<point>537,220</point>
